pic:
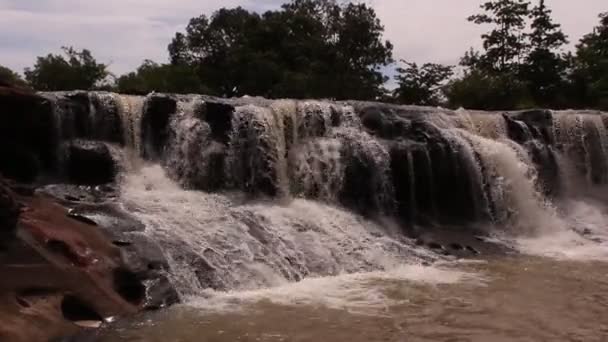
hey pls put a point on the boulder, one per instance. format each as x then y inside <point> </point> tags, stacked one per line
<point>89,162</point>
<point>155,124</point>
<point>219,117</point>
<point>540,123</point>
<point>28,135</point>
<point>9,211</point>
<point>58,271</point>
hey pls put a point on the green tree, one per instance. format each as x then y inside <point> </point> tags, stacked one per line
<point>478,89</point>
<point>544,68</point>
<point>308,48</point>
<point>216,47</point>
<point>421,85</point>
<point>166,78</point>
<point>72,70</point>
<point>492,78</point>
<point>504,44</point>
<point>10,78</point>
<point>589,77</point>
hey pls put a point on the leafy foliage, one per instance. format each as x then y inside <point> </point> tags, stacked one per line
<point>589,78</point>
<point>544,69</point>
<point>489,91</point>
<point>167,78</point>
<point>503,45</point>
<point>308,48</point>
<point>10,78</point>
<point>421,85</point>
<point>334,49</point>
<point>72,70</point>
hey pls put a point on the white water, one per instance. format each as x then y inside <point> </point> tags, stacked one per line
<point>357,293</point>
<point>253,245</point>
<point>298,250</point>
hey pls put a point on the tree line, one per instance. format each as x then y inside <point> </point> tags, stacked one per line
<point>326,49</point>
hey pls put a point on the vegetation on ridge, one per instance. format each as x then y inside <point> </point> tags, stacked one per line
<point>327,49</point>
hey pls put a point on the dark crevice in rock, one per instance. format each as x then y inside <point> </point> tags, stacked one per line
<point>155,124</point>
<point>63,249</point>
<point>74,309</point>
<point>120,243</point>
<point>90,163</point>
<point>127,284</point>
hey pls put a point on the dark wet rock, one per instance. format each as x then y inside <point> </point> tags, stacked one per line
<point>160,293</point>
<point>219,117</point>
<point>9,210</point>
<point>539,123</point>
<point>113,220</point>
<point>75,115</point>
<point>87,115</point>
<point>72,195</point>
<point>456,246</point>
<point>128,285</point>
<point>518,130</point>
<point>472,250</point>
<point>402,176</point>
<point>546,160</point>
<point>121,243</point>
<point>155,124</point>
<point>81,218</point>
<point>75,309</point>
<point>90,163</point>
<point>384,120</point>
<point>105,119</point>
<point>142,255</point>
<point>28,138</point>
<point>360,186</point>
<point>435,245</point>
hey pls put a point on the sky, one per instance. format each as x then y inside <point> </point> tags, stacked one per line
<point>122,33</point>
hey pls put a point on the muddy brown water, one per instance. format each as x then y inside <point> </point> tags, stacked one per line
<point>506,299</point>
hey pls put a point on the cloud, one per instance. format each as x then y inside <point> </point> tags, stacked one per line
<point>125,32</point>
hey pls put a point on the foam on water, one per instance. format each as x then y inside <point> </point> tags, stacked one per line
<point>249,245</point>
<point>360,293</point>
<point>579,233</point>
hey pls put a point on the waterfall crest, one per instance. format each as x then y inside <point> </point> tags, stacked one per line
<point>245,193</point>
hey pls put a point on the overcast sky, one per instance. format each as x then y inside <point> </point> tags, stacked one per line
<point>125,32</point>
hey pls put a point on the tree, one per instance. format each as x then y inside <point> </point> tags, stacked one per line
<point>361,53</point>
<point>72,70</point>
<point>216,48</point>
<point>488,91</point>
<point>544,68</point>
<point>589,77</point>
<point>167,78</point>
<point>492,78</point>
<point>308,48</point>
<point>11,78</point>
<point>503,45</point>
<point>421,85</point>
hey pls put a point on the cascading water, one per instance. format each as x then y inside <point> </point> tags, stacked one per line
<point>131,110</point>
<point>248,193</point>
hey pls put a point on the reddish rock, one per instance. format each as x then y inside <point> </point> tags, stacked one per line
<point>57,271</point>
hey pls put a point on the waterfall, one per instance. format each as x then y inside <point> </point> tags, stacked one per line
<point>247,193</point>
<point>131,111</point>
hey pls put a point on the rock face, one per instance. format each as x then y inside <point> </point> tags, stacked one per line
<point>427,167</point>
<point>59,270</point>
<point>28,138</point>
<point>90,163</point>
<point>9,211</point>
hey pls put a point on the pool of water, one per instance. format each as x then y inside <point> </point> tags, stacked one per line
<point>508,298</point>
